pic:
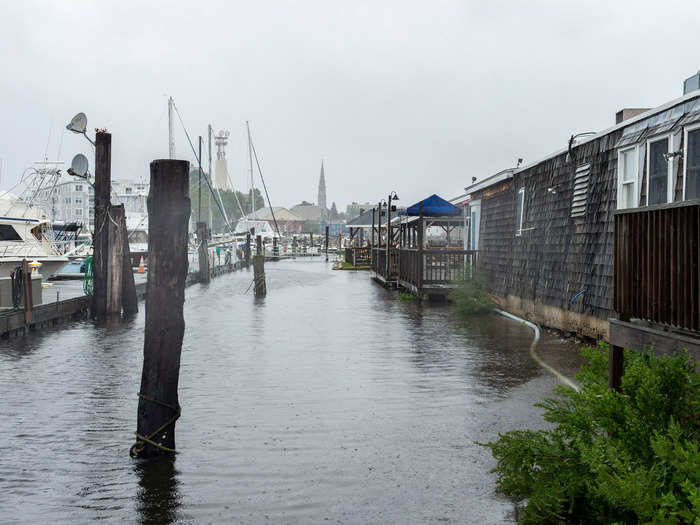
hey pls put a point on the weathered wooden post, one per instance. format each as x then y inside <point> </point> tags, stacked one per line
<point>130,302</point>
<point>115,259</point>
<point>259,269</point>
<point>168,215</point>
<point>103,185</point>
<point>326,243</point>
<point>387,269</point>
<point>421,232</point>
<point>294,246</point>
<point>28,297</point>
<point>203,253</point>
<point>247,250</point>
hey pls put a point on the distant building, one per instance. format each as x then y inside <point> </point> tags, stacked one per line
<point>287,221</point>
<point>221,166</point>
<point>71,200</point>
<point>356,209</point>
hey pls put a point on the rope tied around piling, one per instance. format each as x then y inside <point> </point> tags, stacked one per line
<point>141,441</point>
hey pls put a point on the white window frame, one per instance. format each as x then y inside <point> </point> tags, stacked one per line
<point>669,166</point>
<point>686,130</point>
<point>474,224</point>
<point>620,173</point>
<point>520,202</point>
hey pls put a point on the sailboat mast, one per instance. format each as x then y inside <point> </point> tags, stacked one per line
<point>250,158</point>
<point>211,181</point>
<point>171,135</point>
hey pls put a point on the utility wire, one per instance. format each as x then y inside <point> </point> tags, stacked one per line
<point>265,187</point>
<point>206,178</point>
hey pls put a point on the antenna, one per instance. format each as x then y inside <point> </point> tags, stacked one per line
<point>79,166</point>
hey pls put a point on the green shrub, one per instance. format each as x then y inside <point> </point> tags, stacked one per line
<point>403,296</point>
<point>611,457</point>
<point>470,296</point>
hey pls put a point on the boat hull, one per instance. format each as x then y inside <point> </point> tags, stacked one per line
<point>49,265</point>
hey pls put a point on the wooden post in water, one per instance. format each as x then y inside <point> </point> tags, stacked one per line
<point>130,302</point>
<point>203,253</point>
<point>28,297</point>
<point>115,259</point>
<point>259,269</point>
<point>247,250</point>
<point>326,243</point>
<point>387,275</point>
<point>103,185</point>
<point>168,215</point>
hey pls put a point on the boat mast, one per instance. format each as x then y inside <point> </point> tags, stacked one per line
<point>171,135</point>
<point>250,158</point>
<point>211,181</point>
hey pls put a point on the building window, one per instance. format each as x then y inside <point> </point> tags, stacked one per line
<point>691,186</point>
<point>128,189</point>
<point>78,187</point>
<point>78,200</point>
<point>580,194</point>
<point>78,212</point>
<point>658,172</point>
<point>627,178</point>
<point>520,211</point>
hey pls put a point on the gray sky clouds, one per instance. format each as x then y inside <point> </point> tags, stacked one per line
<point>416,97</point>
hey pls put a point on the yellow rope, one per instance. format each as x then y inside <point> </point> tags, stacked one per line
<point>141,441</point>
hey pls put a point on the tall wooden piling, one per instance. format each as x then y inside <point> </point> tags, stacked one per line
<point>168,215</point>
<point>326,243</point>
<point>259,269</point>
<point>103,184</point>
<point>203,253</point>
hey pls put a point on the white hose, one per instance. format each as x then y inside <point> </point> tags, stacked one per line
<point>561,377</point>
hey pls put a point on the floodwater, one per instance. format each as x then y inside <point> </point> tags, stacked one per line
<point>328,401</point>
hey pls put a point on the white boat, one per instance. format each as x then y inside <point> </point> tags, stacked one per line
<point>23,235</point>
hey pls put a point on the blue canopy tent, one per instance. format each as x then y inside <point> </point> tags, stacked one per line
<point>434,206</point>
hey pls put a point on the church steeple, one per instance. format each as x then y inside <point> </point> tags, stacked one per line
<point>322,193</point>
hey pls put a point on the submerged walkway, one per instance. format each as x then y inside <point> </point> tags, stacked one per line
<point>329,399</point>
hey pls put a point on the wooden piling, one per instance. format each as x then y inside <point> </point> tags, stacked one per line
<point>28,297</point>
<point>103,185</point>
<point>115,259</point>
<point>259,269</point>
<point>130,302</point>
<point>203,253</point>
<point>168,216</point>
<point>326,243</point>
<point>247,250</point>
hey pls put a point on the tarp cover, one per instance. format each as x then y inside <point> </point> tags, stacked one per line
<point>434,206</point>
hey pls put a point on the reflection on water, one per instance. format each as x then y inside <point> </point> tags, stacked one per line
<point>158,501</point>
<point>326,400</point>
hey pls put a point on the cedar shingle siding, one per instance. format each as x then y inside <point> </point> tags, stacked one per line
<point>557,255</point>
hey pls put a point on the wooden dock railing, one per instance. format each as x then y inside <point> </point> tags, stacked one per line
<point>358,256</point>
<point>656,274</point>
<point>434,267</point>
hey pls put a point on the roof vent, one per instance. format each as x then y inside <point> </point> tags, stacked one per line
<point>692,83</point>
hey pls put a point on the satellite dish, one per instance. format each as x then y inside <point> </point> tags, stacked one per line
<point>79,165</point>
<point>78,124</point>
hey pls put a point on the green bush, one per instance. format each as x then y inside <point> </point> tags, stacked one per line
<point>403,296</point>
<point>470,296</point>
<point>609,457</point>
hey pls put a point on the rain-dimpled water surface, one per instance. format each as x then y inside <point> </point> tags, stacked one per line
<point>327,401</point>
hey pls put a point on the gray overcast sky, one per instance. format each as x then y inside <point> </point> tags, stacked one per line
<point>416,97</point>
